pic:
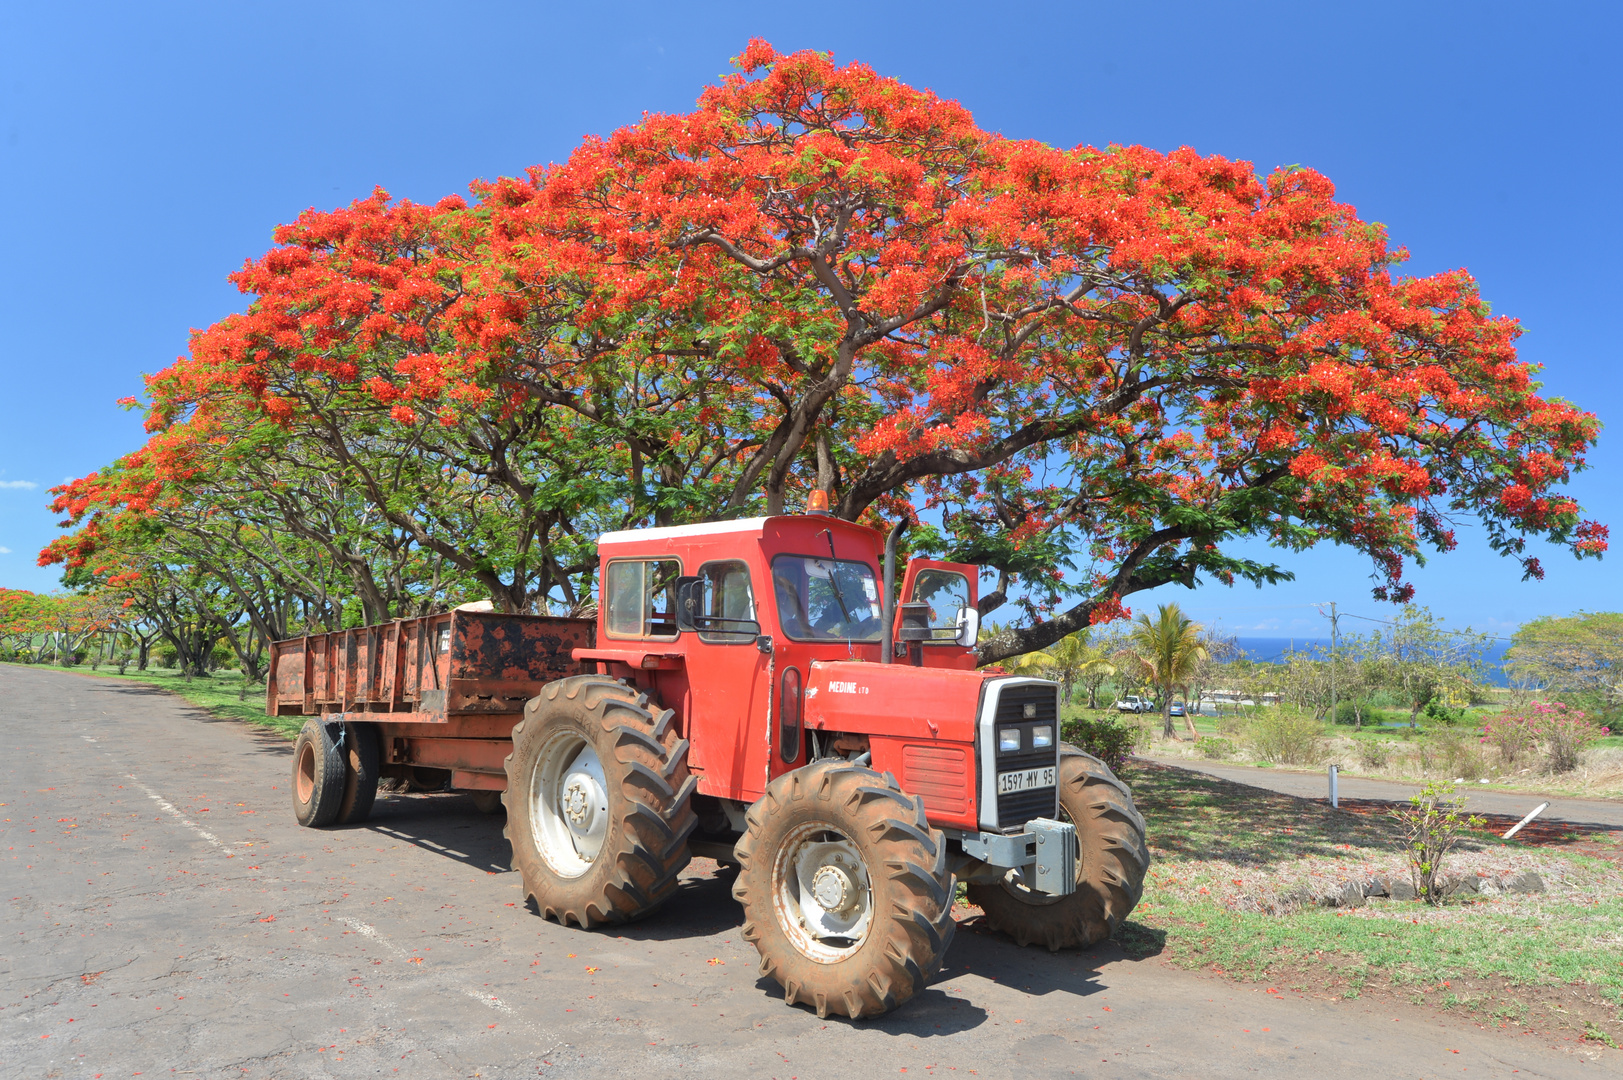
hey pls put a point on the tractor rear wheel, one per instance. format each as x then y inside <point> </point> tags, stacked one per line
<point>845,889</point>
<point>318,774</point>
<point>1110,865</point>
<point>597,798</point>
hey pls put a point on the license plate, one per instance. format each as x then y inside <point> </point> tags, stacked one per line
<point>1025,780</point>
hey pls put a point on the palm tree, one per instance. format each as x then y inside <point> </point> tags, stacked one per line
<point>1168,648</point>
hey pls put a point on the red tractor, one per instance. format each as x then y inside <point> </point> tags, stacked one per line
<point>749,696</point>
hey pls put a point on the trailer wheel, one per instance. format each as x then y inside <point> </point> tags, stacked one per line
<point>597,797</point>
<point>1110,867</point>
<point>318,774</point>
<point>360,753</point>
<point>845,889</point>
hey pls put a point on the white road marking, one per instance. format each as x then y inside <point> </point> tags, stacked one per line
<point>169,807</point>
<point>483,997</point>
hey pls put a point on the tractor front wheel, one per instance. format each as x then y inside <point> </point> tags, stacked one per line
<point>845,889</point>
<point>1111,862</point>
<point>598,802</point>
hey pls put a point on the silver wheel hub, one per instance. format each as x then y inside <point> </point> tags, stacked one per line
<point>822,893</point>
<point>833,889</point>
<point>569,804</point>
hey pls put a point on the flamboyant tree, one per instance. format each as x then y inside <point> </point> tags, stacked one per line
<point>1098,367</point>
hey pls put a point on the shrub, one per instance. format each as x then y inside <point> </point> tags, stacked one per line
<point>1561,732</point>
<point>1438,712</point>
<point>1104,738</point>
<point>1285,738</point>
<point>1373,753</point>
<point>1232,724</point>
<point>1512,735</point>
<point>1216,749</point>
<point>1354,713</point>
<point>1565,734</point>
<point>1432,823</point>
<point>1460,756</point>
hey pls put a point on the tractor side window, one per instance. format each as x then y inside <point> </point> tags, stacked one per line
<point>947,592</point>
<point>641,598</point>
<point>826,599</point>
<point>726,594</point>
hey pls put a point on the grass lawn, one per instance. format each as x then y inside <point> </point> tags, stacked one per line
<point>1229,858</point>
<point>217,693</point>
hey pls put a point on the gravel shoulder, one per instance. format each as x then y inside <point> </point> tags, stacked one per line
<point>165,913</point>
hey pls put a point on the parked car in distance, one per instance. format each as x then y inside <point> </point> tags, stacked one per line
<point>1134,704</point>
<point>1176,709</point>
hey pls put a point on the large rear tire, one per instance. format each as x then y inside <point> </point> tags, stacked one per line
<point>318,774</point>
<point>597,798</point>
<point>1110,865</point>
<point>845,889</point>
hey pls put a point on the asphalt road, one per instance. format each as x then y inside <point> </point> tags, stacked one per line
<point>166,916</point>
<point>1316,785</point>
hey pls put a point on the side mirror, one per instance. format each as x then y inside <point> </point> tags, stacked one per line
<point>969,627</point>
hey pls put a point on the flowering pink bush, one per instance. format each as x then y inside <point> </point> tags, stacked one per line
<point>1560,731</point>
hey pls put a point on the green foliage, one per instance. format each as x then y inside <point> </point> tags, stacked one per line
<point>1580,654</point>
<point>1285,738</point>
<point>1373,753</point>
<point>1106,739</point>
<point>1168,650</point>
<point>1437,712</point>
<point>1432,824</point>
<point>1213,748</point>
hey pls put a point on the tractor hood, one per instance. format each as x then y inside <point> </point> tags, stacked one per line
<point>894,699</point>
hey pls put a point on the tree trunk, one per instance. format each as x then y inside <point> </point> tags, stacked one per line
<point>1166,715</point>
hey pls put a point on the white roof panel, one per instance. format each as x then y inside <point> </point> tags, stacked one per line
<point>679,532</point>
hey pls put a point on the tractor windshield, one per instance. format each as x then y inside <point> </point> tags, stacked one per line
<point>826,599</point>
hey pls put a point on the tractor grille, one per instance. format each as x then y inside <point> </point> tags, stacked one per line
<point>1016,808</point>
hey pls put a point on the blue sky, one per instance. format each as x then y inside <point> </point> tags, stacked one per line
<point>146,150</point>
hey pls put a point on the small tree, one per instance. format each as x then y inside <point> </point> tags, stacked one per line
<point>1432,823</point>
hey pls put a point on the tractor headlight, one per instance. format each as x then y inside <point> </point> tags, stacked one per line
<point>1008,740</point>
<point>1042,737</point>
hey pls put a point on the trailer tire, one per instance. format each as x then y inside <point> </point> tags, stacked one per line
<point>834,847</point>
<point>318,774</point>
<point>598,802</point>
<point>360,752</point>
<point>1112,861</point>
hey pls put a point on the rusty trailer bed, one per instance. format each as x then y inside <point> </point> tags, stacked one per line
<point>444,691</point>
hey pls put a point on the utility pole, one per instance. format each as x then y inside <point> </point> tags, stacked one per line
<point>1332,661</point>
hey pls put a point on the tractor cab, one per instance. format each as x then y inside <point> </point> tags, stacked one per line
<point>748,628</point>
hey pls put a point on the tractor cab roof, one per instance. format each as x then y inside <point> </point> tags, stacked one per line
<point>786,529</point>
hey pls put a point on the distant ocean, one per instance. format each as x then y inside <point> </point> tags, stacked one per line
<point>1274,650</point>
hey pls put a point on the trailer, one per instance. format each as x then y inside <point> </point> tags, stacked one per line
<point>439,695</point>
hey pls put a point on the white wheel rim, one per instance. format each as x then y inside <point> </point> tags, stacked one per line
<point>569,804</point>
<point>822,893</point>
